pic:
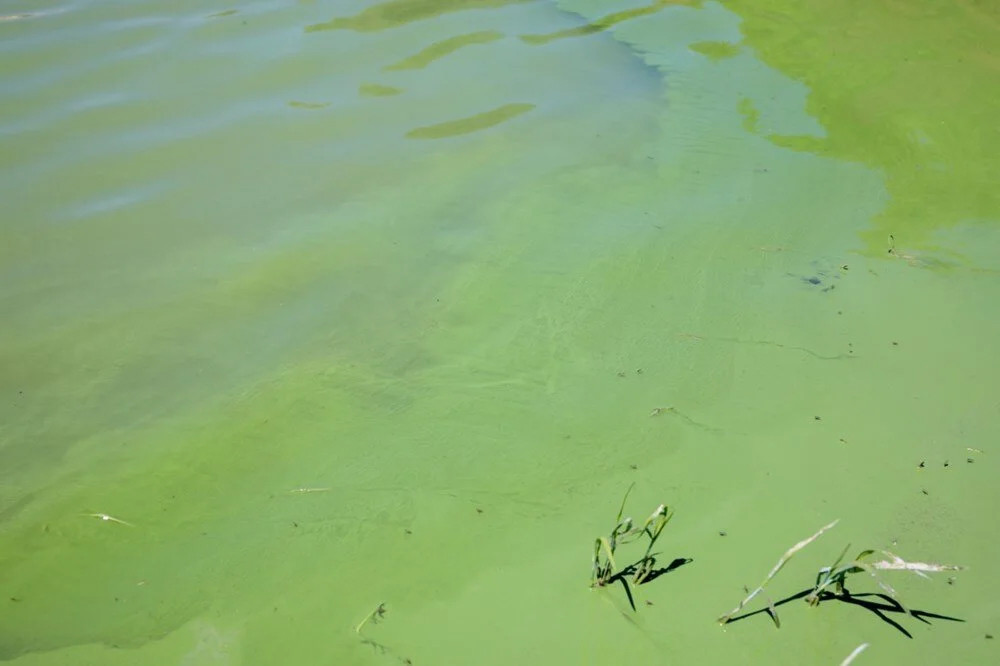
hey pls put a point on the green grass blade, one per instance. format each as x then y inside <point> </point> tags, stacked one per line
<point>621,510</point>
<point>774,571</point>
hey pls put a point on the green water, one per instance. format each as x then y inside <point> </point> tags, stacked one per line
<point>336,304</point>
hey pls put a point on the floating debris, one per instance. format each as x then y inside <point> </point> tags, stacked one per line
<point>106,518</point>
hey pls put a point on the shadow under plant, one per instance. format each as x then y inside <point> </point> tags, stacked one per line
<point>643,570</point>
<point>831,585</point>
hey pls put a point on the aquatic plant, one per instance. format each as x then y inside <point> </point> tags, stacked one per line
<point>374,617</point>
<point>836,574</point>
<point>605,569</point>
<point>831,581</point>
<point>774,572</point>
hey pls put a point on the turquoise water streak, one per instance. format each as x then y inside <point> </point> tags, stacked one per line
<point>339,305</point>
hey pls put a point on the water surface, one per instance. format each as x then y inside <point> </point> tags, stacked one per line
<point>339,305</point>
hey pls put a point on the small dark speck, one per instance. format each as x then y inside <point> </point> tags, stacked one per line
<point>895,344</point>
<point>621,373</point>
<point>723,533</point>
<point>969,460</point>
<point>817,418</point>
<point>478,510</point>
<point>407,532</point>
<point>638,371</point>
<point>923,463</point>
<point>989,637</point>
<point>294,524</point>
<point>15,599</point>
<point>924,491</point>
<point>116,599</point>
<point>946,463</point>
<point>844,267</point>
<point>637,467</point>
<point>648,602</point>
<point>813,280</point>
<point>840,312</point>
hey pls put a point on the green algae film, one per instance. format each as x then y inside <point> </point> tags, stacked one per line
<point>378,90</point>
<point>443,48</point>
<point>907,90</point>
<point>716,50</point>
<point>394,13</point>
<point>320,367</point>
<point>474,123</point>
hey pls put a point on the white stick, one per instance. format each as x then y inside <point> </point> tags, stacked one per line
<point>858,650</point>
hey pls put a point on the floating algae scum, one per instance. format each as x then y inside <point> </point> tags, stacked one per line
<point>317,315</point>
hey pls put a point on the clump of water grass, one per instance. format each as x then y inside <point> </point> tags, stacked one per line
<point>831,581</point>
<point>605,568</point>
<point>835,575</point>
